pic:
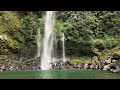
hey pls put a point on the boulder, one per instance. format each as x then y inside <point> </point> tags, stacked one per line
<point>90,63</point>
<point>97,66</point>
<point>113,67</point>
<point>108,61</point>
<point>106,67</point>
<point>69,63</point>
<point>116,71</point>
<point>111,70</point>
<point>76,66</point>
<point>101,67</point>
<point>71,67</point>
<point>92,66</point>
<point>114,61</point>
<point>116,56</point>
<point>103,62</point>
<point>81,65</point>
<point>86,66</point>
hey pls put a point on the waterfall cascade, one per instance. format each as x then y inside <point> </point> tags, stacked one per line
<point>63,40</point>
<point>48,47</point>
<point>46,57</point>
<point>39,43</point>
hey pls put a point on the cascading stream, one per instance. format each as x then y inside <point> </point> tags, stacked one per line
<point>38,43</point>
<point>63,40</point>
<point>48,41</point>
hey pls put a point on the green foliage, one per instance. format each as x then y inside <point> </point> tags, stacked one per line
<point>13,44</point>
<point>89,29</point>
<point>40,24</point>
<point>29,29</point>
<point>10,27</point>
<point>76,60</point>
<point>95,58</point>
<point>21,31</point>
<point>9,22</point>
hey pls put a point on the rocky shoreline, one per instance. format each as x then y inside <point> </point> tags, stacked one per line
<point>113,66</point>
<point>6,65</point>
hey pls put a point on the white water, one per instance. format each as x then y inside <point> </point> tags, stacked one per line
<point>63,40</point>
<point>55,45</point>
<point>38,43</point>
<point>48,41</point>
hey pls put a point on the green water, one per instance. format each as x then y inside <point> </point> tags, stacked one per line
<point>59,74</point>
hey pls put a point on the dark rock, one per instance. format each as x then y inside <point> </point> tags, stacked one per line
<point>69,63</point>
<point>116,57</point>
<point>112,67</point>
<point>89,64</point>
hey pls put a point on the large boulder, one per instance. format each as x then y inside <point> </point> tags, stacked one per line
<point>114,61</point>
<point>81,65</point>
<point>101,66</point>
<point>96,66</point>
<point>86,66</point>
<point>68,63</point>
<point>92,66</point>
<point>108,61</point>
<point>106,67</point>
<point>116,56</point>
<point>115,68</point>
<point>103,62</point>
<point>75,66</point>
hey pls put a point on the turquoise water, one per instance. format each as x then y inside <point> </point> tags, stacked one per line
<point>59,74</point>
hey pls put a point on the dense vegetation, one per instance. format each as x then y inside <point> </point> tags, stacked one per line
<point>88,33</point>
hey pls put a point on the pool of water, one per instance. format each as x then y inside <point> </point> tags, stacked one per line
<point>59,74</point>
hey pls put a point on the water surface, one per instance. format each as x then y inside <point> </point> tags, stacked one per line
<point>59,74</point>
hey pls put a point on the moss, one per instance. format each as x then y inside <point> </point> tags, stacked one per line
<point>3,57</point>
<point>115,50</point>
<point>75,61</point>
<point>95,58</point>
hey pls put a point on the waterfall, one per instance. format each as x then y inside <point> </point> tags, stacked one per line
<point>63,42</point>
<point>38,43</point>
<point>55,45</point>
<point>48,41</point>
